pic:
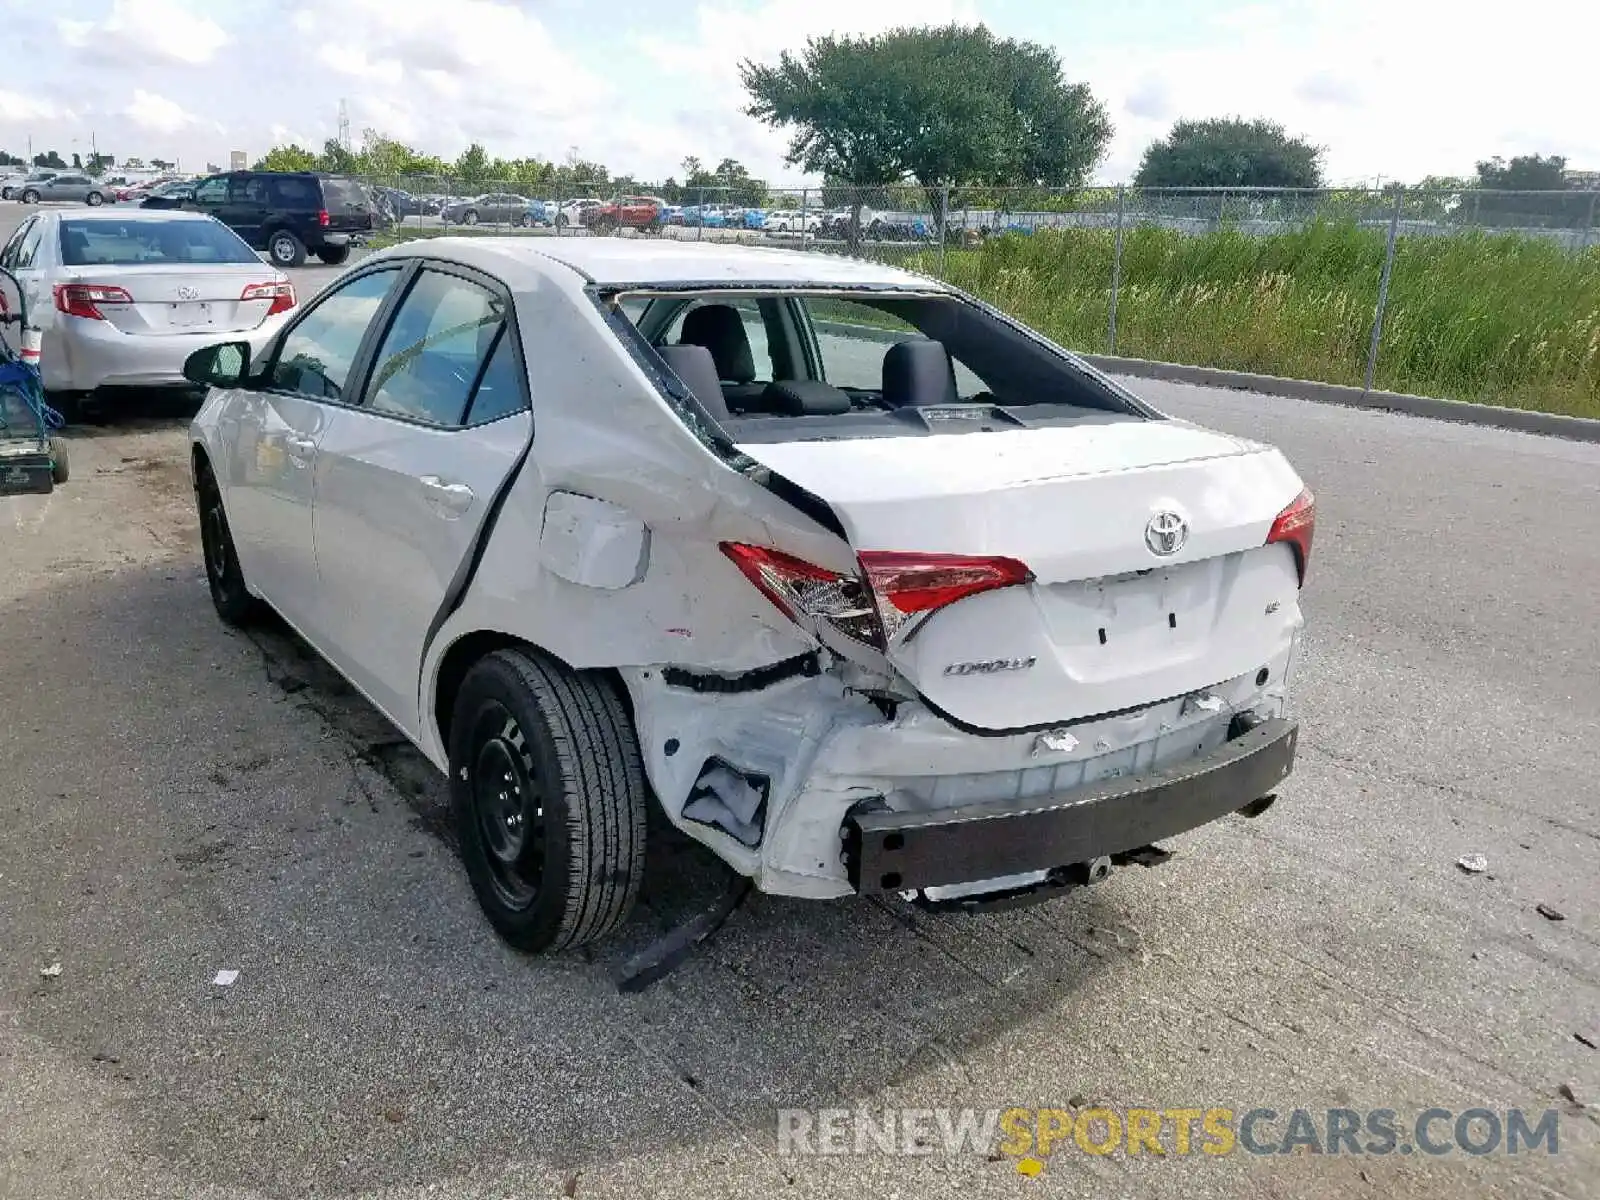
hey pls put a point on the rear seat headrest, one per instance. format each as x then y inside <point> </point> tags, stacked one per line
<point>918,373</point>
<point>695,366</point>
<point>720,329</point>
<point>804,398</point>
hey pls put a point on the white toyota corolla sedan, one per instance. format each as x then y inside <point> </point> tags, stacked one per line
<point>870,588</point>
<point>123,298</point>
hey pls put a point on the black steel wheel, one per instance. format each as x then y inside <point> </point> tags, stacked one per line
<point>232,600</point>
<point>549,798</point>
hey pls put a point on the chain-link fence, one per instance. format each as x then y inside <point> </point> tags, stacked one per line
<point>1473,294</point>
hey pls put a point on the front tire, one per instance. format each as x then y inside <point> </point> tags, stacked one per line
<point>334,255</point>
<point>232,600</point>
<point>94,199</point>
<point>286,250</point>
<point>549,795</point>
<point>470,217</point>
<point>30,196</point>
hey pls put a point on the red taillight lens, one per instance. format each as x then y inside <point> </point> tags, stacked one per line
<point>804,592</point>
<point>907,584</point>
<point>897,586</point>
<point>322,218</point>
<point>84,299</point>
<point>281,295</point>
<point>1295,525</point>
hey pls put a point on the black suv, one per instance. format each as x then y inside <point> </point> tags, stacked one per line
<point>285,213</point>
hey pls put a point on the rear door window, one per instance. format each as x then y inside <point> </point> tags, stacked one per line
<point>430,358</point>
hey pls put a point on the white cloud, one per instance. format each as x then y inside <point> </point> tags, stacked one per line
<point>16,107</point>
<point>158,114</point>
<point>135,31</point>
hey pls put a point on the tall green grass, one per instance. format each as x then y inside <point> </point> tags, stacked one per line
<point>1495,318</point>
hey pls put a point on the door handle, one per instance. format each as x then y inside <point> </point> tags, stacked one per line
<point>300,449</point>
<point>451,499</point>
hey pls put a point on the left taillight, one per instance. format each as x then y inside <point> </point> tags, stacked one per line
<point>1294,527</point>
<point>872,607</point>
<point>281,295</point>
<point>84,299</point>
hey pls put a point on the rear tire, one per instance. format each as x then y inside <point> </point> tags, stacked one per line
<point>229,595</point>
<point>549,795</point>
<point>94,199</point>
<point>470,217</point>
<point>334,255</point>
<point>60,472</point>
<point>30,197</point>
<point>286,250</point>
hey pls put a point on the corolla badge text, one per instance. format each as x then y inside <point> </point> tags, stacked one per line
<point>991,666</point>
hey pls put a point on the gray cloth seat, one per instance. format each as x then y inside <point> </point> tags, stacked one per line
<point>694,365</point>
<point>918,374</point>
<point>720,329</point>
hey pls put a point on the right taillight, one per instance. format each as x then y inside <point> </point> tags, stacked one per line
<point>1294,526</point>
<point>281,295</point>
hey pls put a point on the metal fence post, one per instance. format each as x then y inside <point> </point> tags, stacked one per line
<point>943,224</point>
<point>700,222</point>
<point>1588,226</point>
<point>1116,274</point>
<point>1383,288</point>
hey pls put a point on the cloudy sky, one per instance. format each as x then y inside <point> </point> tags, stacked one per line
<point>1392,88</point>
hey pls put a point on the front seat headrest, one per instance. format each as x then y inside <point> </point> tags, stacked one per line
<point>693,365</point>
<point>918,373</point>
<point>720,329</point>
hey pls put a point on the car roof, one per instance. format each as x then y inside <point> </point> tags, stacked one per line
<point>124,214</point>
<point>668,262</point>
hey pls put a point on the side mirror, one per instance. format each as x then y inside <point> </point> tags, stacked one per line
<point>221,366</point>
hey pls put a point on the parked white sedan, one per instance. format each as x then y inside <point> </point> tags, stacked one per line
<point>123,298</point>
<point>870,588</point>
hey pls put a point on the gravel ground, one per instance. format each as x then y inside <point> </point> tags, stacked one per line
<point>177,799</point>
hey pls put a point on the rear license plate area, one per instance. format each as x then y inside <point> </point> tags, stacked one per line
<point>190,316</point>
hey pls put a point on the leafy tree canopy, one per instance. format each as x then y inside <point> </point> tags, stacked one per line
<point>938,106</point>
<point>1230,152</point>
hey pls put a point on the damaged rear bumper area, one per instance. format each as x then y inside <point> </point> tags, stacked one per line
<point>887,851</point>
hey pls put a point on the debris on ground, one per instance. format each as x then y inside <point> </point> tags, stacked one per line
<point>1586,1040</point>
<point>53,971</point>
<point>225,978</point>
<point>570,1188</point>
<point>1473,864</point>
<point>1549,913</point>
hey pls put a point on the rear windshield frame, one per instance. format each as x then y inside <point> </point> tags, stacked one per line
<point>1112,400</point>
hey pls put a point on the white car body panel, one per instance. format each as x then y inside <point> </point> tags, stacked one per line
<point>604,553</point>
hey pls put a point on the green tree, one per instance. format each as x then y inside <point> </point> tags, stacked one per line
<point>1548,197</point>
<point>939,107</point>
<point>1230,153</point>
<point>473,164</point>
<point>11,160</point>
<point>286,158</point>
<point>51,160</point>
<point>99,163</point>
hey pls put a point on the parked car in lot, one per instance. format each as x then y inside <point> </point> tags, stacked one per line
<point>124,296</point>
<point>286,213</point>
<point>498,208</point>
<point>953,616</point>
<point>15,185</point>
<point>571,212</point>
<point>169,194</point>
<point>624,212</point>
<point>69,186</point>
<point>792,220</point>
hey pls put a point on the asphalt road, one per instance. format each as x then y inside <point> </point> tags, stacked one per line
<point>176,799</point>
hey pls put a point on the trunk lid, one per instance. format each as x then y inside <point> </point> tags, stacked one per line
<point>1106,623</point>
<point>193,299</point>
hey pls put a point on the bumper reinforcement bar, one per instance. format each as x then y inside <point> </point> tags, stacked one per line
<point>897,851</point>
